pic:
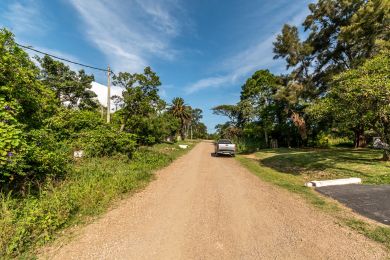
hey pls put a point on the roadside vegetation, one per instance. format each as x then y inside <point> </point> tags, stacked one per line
<point>86,191</point>
<point>48,112</point>
<point>286,168</point>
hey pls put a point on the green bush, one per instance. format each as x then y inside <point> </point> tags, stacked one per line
<point>12,143</point>
<point>46,155</point>
<point>66,122</point>
<point>30,154</point>
<point>326,140</point>
<point>105,141</point>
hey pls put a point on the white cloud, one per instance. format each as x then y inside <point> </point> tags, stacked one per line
<point>210,82</point>
<point>161,17</point>
<point>239,66</point>
<point>132,32</point>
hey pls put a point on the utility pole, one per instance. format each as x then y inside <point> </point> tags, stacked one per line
<point>108,95</point>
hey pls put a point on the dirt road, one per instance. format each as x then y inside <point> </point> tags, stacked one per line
<point>204,207</point>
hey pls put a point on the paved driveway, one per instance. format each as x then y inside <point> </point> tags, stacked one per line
<point>372,201</point>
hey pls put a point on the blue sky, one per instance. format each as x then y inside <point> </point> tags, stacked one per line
<point>203,50</point>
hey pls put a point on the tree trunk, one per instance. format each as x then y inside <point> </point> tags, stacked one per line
<point>359,137</point>
<point>356,141</point>
<point>182,130</point>
<point>300,123</point>
<point>386,155</point>
<point>125,118</point>
<point>266,138</point>
<point>386,138</point>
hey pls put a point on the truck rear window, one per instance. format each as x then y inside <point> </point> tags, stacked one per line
<point>224,142</point>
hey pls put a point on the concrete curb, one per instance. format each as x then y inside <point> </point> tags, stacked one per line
<point>333,182</point>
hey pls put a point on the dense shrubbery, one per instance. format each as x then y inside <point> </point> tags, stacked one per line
<point>46,155</point>
<point>105,141</point>
<point>68,122</point>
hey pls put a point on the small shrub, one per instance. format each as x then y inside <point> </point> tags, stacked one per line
<point>66,122</point>
<point>106,141</point>
<point>42,162</point>
<point>12,142</point>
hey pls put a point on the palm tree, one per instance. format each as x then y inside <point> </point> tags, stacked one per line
<point>181,111</point>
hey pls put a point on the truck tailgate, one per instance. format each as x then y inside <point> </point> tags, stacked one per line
<point>226,147</point>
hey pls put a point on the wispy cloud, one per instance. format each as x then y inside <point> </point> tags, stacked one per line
<point>161,16</point>
<point>131,33</point>
<point>239,66</point>
<point>25,17</point>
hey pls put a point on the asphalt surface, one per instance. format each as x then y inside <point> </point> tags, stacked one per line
<point>372,201</point>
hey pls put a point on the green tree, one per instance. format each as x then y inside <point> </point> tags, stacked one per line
<point>140,97</point>
<point>341,35</point>
<point>198,129</point>
<point>359,99</point>
<point>118,102</point>
<point>230,111</point>
<point>71,89</point>
<point>24,105</point>
<point>259,92</point>
<point>181,111</point>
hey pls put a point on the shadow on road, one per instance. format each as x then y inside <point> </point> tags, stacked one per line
<point>221,155</point>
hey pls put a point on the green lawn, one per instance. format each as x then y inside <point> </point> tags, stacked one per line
<point>319,164</point>
<point>291,168</point>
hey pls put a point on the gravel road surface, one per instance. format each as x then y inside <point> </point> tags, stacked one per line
<point>205,207</point>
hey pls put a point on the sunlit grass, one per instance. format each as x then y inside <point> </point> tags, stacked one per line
<point>313,164</point>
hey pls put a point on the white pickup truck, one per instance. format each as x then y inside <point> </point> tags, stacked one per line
<point>225,146</point>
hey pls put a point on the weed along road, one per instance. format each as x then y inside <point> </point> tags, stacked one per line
<point>205,207</point>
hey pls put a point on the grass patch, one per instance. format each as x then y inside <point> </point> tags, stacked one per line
<point>319,164</point>
<point>376,233</point>
<point>289,182</point>
<point>87,191</point>
<point>291,168</point>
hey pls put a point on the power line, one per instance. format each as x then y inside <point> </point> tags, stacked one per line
<point>59,58</point>
<point>109,73</point>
